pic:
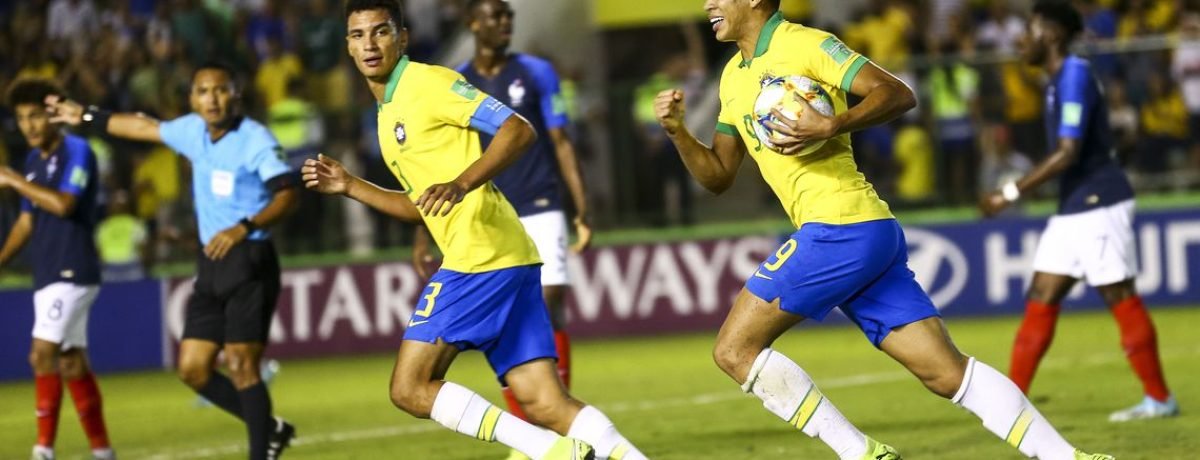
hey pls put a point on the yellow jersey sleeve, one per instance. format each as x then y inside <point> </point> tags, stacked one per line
<point>451,99</point>
<point>830,60</point>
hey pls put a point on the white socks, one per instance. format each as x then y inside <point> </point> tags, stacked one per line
<point>461,410</point>
<point>592,427</point>
<point>788,392</point>
<point>1006,412</point>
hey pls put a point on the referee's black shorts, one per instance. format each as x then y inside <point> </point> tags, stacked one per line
<point>234,298</point>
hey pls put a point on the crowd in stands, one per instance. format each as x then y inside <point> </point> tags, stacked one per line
<point>979,123</point>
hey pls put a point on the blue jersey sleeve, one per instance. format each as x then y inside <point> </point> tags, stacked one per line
<point>184,134</point>
<point>26,205</point>
<point>1075,100</point>
<point>79,167</point>
<point>490,115</point>
<point>554,107</point>
<point>268,158</point>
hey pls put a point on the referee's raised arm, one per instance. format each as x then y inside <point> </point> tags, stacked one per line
<point>133,126</point>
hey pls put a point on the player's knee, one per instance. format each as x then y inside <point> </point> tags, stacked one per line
<point>548,409</point>
<point>72,365</point>
<point>1115,294</point>
<point>42,360</point>
<point>243,367</point>
<point>543,412</point>
<point>411,399</point>
<point>946,380</point>
<point>244,377</point>
<point>735,360</point>
<point>194,375</point>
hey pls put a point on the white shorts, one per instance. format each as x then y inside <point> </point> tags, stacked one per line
<point>61,313</point>
<point>549,233</point>
<point>1096,246</point>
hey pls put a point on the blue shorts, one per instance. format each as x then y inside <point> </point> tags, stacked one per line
<point>501,313</point>
<point>861,268</point>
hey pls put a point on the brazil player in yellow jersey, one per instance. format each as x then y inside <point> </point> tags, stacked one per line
<point>487,295</point>
<point>848,251</point>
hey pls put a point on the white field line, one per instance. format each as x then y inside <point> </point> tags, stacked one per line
<point>1093,360</point>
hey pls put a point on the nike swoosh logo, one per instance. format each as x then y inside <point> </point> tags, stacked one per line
<point>758,274</point>
<point>412,323</point>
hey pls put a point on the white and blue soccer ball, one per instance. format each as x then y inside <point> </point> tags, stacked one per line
<point>782,93</point>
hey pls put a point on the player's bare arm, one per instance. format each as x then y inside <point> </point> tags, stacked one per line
<point>885,97</point>
<point>511,141</point>
<point>328,176</point>
<point>422,256</point>
<point>1052,166</point>
<point>283,202</point>
<point>130,126</point>
<point>60,204</point>
<point>17,237</point>
<point>714,167</point>
<point>568,166</point>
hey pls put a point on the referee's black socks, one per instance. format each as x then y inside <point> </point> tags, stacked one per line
<point>256,412</point>
<point>220,391</point>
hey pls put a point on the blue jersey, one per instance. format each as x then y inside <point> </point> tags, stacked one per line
<point>530,87</point>
<point>1076,109</point>
<point>63,247</point>
<point>229,176</point>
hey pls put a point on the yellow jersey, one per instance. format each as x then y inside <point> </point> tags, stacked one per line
<point>426,138</point>
<point>824,186</point>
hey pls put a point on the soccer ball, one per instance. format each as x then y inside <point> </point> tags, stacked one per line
<point>780,93</point>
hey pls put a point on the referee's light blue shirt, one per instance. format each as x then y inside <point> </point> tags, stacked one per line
<point>229,176</point>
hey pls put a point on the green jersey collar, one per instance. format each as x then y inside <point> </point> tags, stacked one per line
<point>394,79</point>
<point>764,37</point>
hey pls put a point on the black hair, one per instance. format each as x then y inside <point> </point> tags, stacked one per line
<point>32,91</point>
<point>217,65</point>
<point>391,6</point>
<point>1063,14</point>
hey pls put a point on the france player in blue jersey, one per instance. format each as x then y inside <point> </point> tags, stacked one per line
<point>534,183</point>
<point>241,186</point>
<point>58,218</point>
<point>1091,237</point>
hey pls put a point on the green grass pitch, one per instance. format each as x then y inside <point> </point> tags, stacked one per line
<point>666,395</point>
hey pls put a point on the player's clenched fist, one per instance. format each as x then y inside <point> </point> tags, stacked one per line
<point>668,109</point>
<point>325,175</point>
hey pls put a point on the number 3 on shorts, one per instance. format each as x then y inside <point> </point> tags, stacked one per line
<point>434,289</point>
<point>781,255</point>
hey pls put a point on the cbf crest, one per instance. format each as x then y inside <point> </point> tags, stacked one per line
<point>401,134</point>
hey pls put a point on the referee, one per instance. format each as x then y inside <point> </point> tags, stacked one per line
<point>241,186</point>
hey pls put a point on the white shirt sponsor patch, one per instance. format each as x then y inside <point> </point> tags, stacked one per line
<point>222,183</point>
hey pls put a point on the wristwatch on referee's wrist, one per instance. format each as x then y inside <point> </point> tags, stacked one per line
<point>248,224</point>
<point>1010,192</point>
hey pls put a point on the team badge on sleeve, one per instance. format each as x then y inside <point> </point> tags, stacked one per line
<point>836,50</point>
<point>401,135</point>
<point>79,177</point>
<point>464,89</point>
<point>1072,114</point>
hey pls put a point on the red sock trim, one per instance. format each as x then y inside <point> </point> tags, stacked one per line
<point>1033,339</point>
<point>562,344</point>
<point>48,399</point>
<point>1140,342</point>
<point>90,407</point>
